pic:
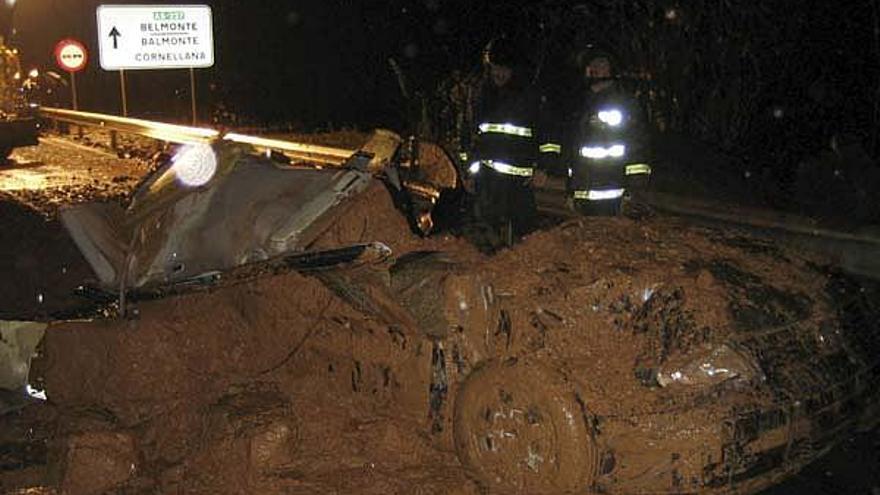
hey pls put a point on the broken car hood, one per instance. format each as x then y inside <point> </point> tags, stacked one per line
<point>251,209</point>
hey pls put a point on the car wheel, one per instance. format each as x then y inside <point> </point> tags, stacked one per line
<point>520,429</point>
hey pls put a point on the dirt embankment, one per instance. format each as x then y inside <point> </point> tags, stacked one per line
<point>39,263</point>
<point>275,386</point>
<point>272,386</point>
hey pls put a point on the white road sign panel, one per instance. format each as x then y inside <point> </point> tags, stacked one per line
<point>155,36</point>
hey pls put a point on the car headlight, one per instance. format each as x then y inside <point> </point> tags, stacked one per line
<point>474,168</point>
<point>710,367</point>
<point>611,117</point>
<point>195,165</point>
<point>599,152</point>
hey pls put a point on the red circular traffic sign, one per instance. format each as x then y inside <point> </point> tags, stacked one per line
<point>71,55</point>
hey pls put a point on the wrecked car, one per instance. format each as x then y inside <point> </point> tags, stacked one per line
<point>602,356</point>
<point>17,128</point>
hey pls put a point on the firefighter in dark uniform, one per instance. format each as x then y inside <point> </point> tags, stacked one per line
<point>607,147</point>
<point>506,152</point>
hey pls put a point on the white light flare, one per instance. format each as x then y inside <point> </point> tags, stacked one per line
<point>606,194</point>
<point>600,153</point>
<point>611,117</point>
<point>195,165</point>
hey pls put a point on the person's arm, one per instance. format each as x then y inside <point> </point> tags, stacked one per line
<point>639,132</point>
<point>548,136</point>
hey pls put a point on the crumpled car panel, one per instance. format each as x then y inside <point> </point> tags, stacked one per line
<point>251,210</point>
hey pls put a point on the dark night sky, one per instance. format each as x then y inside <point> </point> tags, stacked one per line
<point>310,61</point>
<point>324,62</point>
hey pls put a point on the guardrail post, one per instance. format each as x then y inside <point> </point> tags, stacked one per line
<point>113,140</point>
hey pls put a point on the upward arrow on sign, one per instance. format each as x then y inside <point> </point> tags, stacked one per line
<point>114,33</point>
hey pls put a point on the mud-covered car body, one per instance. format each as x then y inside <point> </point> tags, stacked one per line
<point>794,387</point>
<point>702,410</point>
<point>679,373</point>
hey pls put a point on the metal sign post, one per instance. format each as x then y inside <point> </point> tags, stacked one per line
<point>150,37</point>
<point>192,92</point>
<point>73,90</point>
<point>122,89</point>
<point>71,56</point>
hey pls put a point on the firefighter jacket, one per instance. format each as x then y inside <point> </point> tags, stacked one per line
<point>608,141</point>
<point>608,117</point>
<point>509,134</point>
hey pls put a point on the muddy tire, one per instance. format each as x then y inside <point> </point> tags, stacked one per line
<point>520,429</point>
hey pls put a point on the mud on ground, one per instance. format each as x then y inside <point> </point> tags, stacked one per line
<point>280,385</point>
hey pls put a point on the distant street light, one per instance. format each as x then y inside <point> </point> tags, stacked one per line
<point>10,3</point>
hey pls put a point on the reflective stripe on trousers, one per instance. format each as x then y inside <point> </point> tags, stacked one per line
<point>596,195</point>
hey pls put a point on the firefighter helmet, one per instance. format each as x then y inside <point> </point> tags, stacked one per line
<point>591,54</point>
<point>507,52</point>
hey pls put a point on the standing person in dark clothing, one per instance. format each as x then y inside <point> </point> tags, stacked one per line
<point>506,155</point>
<point>607,148</point>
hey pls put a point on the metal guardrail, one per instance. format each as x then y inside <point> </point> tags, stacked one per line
<point>181,134</point>
<point>302,151</point>
<point>156,130</point>
<point>857,253</point>
<point>754,217</point>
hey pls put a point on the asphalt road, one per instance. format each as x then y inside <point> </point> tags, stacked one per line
<point>60,172</point>
<point>58,162</point>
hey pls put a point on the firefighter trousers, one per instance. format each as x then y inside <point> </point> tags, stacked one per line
<point>504,201</point>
